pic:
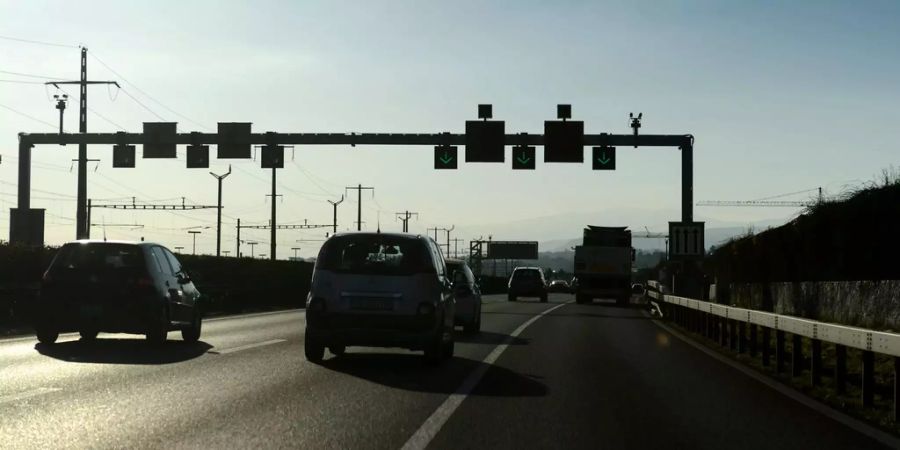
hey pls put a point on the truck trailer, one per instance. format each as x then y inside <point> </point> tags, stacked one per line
<point>603,265</point>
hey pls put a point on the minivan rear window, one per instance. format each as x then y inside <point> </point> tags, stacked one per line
<point>98,257</point>
<point>374,254</point>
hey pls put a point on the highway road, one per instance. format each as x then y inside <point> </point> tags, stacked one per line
<point>554,375</point>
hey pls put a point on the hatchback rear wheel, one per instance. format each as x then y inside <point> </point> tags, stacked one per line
<point>192,333</point>
<point>158,331</point>
<point>88,334</point>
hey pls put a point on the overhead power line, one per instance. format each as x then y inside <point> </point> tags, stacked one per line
<point>20,82</point>
<point>142,105</point>
<point>136,88</point>
<point>28,116</point>
<point>29,75</point>
<point>32,41</point>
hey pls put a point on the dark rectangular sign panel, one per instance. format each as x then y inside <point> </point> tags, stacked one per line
<point>512,250</point>
<point>159,139</point>
<point>485,141</point>
<point>233,140</point>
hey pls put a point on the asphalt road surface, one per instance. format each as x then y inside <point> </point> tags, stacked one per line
<point>580,376</point>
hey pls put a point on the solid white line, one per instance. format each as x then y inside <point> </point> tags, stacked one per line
<point>27,394</point>
<point>249,346</point>
<point>250,315</point>
<point>851,422</point>
<point>433,424</point>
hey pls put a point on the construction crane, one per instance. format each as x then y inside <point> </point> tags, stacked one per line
<point>768,201</point>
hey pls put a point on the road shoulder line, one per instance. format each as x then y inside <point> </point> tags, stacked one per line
<point>433,424</point>
<point>844,419</point>
<point>248,346</point>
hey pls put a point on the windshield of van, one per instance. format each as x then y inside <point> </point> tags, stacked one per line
<point>374,254</point>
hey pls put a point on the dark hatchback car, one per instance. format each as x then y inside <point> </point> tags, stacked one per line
<point>527,282</point>
<point>119,287</point>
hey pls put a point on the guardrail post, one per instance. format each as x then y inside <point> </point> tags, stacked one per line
<point>815,363</point>
<point>723,331</point>
<point>742,338</point>
<point>840,369</point>
<point>868,378</point>
<point>753,329</point>
<point>709,325</point>
<point>779,351</point>
<point>896,387</point>
<point>766,346</point>
<point>732,334</point>
<point>796,355</point>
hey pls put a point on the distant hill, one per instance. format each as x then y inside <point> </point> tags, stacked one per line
<point>713,237</point>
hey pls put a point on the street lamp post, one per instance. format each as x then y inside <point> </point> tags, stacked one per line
<point>195,233</point>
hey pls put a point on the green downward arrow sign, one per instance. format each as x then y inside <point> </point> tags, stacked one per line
<point>446,158</point>
<point>603,159</point>
<point>522,158</point>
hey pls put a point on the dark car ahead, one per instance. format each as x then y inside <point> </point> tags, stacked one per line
<point>559,286</point>
<point>380,290</point>
<point>467,294</point>
<point>119,287</point>
<point>527,282</point>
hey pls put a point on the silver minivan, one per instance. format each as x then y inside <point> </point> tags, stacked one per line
<point>380,290</point>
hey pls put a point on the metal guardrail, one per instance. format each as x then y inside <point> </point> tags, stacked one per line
<point>729,326</point>
<point>860,338</point>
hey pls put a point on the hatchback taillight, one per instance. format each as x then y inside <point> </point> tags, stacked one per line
<point>425,309</point>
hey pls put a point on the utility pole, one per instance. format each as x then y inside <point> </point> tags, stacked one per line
<point>404,217</point>
<point>272,222</point>
<point>295,249</point>
<point>195,233</point>
<point>219,178</point>
<point>237,245</point>
<point>252,245</point>
<point>226,252</point>
<point>452,227</point>
<point>359,190</point>
<point>448,230</point>
<point>178,249</point>
<point>335,205</point>
<point>456,242</point>
<point>82,228</point>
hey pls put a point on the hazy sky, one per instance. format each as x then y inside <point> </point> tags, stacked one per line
<point>781,96</point>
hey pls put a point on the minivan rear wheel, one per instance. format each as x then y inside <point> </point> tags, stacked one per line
<point>46,335</point>
<point>313,349</point>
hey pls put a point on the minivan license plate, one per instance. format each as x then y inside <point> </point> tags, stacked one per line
<point>372,304</point>
<point>91,310</point>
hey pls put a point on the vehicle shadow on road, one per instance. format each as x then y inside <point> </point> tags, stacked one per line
<point>409,372</point>
<point>489,338</point>
<point>123,351</point>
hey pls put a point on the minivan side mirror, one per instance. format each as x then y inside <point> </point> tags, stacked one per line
<point>183,278</point>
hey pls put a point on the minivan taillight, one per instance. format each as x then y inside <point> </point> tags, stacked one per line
<point>315,304</point>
